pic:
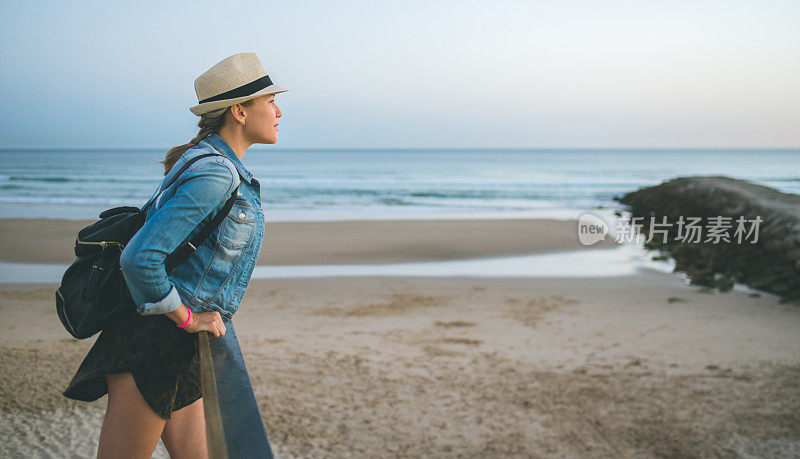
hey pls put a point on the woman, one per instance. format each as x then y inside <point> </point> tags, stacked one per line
<point>147,362</point>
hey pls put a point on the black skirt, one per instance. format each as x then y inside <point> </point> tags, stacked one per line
<point>162,358</point>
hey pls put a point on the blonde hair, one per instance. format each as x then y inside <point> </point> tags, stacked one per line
<point>210,123</point>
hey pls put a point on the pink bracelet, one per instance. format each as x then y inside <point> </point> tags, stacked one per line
<point>187,320</point>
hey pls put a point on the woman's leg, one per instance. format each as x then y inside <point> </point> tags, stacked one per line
<point>185,432</point>
<point>130,428</point>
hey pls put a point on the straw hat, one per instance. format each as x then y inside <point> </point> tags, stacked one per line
<point>232,80</point>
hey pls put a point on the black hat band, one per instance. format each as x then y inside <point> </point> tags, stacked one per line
<point>244,90</point>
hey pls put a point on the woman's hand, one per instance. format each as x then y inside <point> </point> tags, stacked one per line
<point>208,321</point>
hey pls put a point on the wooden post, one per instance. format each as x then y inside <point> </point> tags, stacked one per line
<point>234,427</point>
<point>215,434</point>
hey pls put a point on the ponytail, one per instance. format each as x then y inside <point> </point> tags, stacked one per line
<point>210,123</point>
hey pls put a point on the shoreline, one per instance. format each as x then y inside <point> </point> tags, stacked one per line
<point>71,212</point>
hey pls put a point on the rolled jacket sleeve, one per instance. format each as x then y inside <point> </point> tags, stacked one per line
<point>200,191</point>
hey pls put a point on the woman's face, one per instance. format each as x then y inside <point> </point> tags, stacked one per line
<point>261,122</point>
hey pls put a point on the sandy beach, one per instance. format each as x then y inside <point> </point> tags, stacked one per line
<point>370,366</point>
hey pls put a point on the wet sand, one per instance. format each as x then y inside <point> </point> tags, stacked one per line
<point>338,242</point>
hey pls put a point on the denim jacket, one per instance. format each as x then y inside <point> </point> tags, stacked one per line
<point>216,276</point>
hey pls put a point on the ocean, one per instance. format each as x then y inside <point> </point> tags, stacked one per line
<point>308,185</point>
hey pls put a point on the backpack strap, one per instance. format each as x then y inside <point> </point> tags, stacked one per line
<point>188,248</point>
<point>175,177</point>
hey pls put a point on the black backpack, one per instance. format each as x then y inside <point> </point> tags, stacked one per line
<point>93,293</point>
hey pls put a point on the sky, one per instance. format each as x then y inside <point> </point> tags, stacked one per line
<point>411,74</point>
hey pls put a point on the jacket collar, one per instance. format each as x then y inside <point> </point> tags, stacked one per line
<point>220,144</point>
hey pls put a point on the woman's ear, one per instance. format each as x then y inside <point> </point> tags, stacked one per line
<point>237,111</point>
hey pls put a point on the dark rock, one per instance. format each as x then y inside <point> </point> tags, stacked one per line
<point>767,259</point>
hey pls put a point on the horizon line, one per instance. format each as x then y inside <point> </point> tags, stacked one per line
<point>2,148</point>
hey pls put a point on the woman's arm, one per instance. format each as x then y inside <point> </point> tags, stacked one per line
<point>200,191</point>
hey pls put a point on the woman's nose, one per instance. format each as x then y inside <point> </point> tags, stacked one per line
<point>279,113</point>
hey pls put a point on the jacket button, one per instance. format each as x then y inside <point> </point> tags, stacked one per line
<point>242,215</point>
